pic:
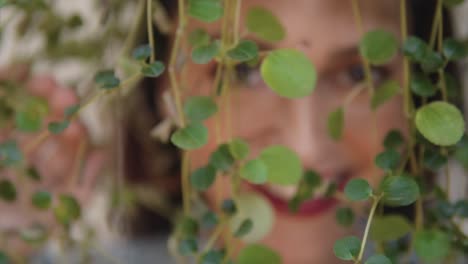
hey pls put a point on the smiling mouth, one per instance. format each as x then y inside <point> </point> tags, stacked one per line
<point>315,206</point>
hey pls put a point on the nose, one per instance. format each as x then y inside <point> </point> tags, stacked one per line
<point>305,132</point>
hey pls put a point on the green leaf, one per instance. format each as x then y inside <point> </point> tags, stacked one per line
<point>441,123</point>
<point>258,254</point>
<point>153,70</point>
<point>246,50</point>
<point>431,62</point>
<point>244,228</point>
<point>106,79</point>
<point>229,207</point>
<point>415,48</point>
<point>378,259</point>
<point>289,73</point>
<point>203,178</point>
<point>10,154</point>
<point>335,124</point>
<point>2,4</point>
<point>358,190</point>
<point>199,37</point>
<point>388,160</point>
<point>380,230</point>
<point>205,53</point>
<point>209,220</point>
<point>265,25</point>
<point>257,208</point>
<point>312,179</point>
<point>212,257</point>
<point>67,210</point>
<point>33,174</point>
<point>384,93</point>
<point>7,191</point>
<point>193,136</point>
<point>255,171</point>
<point>41,199</point>
<point>399,190</point>
<point>31,114</point>
<point>3,256</point>
<point>378,46</point>
<point>142,52</point>
<point>422,86</point>
<point>393,139</point>
<point>34,234</point>
<point>283,165</point>
<point>58,127</point>
<point>239,148</point>
<point>347,248</point>
<point>345,216</point>
<point>187,227</point>
<point>71,110</point>
<point>433,159</point>
<point>222,159</point>
<point>188,246</point>
<point>432,245</point>
<point>198,108</point>
<point>454,49</point>
<point>206,10</point>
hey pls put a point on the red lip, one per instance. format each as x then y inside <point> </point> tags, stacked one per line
<point>310,208</point>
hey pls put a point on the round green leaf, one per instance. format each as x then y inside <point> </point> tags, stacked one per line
<point>258,254</point>
<point>187,227</point>
<point>244,51</point>
<point>244,228</point>
<point>7,191</point>
<point>199,108</point>
<point>289,73</point>
<point>358,190</point>
<point>335,124</point>
<point>431,62</point>
<point>67,210</point>
<point>415,48</point>
<point>264,24</point>
<point>58,127</point>
<point>31,114</point>
<point>422,86</point>
<point>432,245</point>
<point>378,259</point>
<point>142,53</point>
<point>239,148</point>
<point>378,46</point>
<point>388,160</point>
<point>106,79</point>
<point>399,190</point>
<point>380,232</point>
<point>206,10</point>
<point>193,136</point>
<point>188,246</point>
<point>41,199</point>
<point>283,165</point>
<point>10,153</point>
<point>258,209</point>
<point>209,220</point>
<point>255,171</point>
<point>229,207</point>
<point>222,159</point>
<point>347,248</point>
<point>393,139</point>
<point>205,53</point>
<point>345,216</point>
<point>441,123</point>
<point>153,70</point>
<point>454,50</point>
<point>384,93</point>
<point>203,178</point>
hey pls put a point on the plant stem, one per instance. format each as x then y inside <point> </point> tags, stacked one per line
<point>375,202</point>
<point>435,23</point>
<point>149,25</point>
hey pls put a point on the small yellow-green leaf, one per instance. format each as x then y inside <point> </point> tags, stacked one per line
<point>67,210</point>
<point>283,165</point>
<point>31,114</point>
<point>153,70</point>
<point>399,190</point>
<point>378,46</point>
<point>206,10</point>
<point>358,190</point>
<point>264,24</point>
<point>203,178</point>
<point>246,50</point>
<point>289,73</point>
<point>255,171</point>
<point>41,199</point>
<point>380,232</point>
<point>432,245</point>
<point>239,148</point>
<point>347,248</point>
<point>335,124</point>
<point>258,254</point>
<point>441,123</point>
<point>205,53</point>
<point>199,108</point>
<point>384,93</point>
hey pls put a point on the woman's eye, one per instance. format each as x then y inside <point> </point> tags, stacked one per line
<point>248,76</point>
<point>356,74</point>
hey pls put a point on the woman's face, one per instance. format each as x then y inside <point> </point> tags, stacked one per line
<point>325,31</point>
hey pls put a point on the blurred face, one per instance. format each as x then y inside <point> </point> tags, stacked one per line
<point>325,31</point>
